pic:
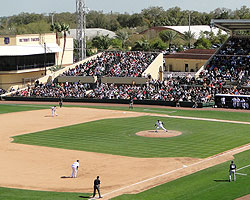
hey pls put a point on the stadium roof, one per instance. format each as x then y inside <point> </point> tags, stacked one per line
<point>93,32</point>
<point>231,24</point>
<point>197,29</point>
<point>28,50</point>
<point>202,54</point>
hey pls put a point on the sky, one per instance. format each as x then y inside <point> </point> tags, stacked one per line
<point>14,7</point>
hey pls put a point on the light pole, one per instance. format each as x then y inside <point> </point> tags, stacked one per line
<point>52,17</point>
<point>45,71</point>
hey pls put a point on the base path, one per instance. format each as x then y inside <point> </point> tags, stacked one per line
<point>41,168</point>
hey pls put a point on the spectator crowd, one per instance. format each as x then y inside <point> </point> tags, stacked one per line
<point>56,90</point>
<point>230,64</point>
<point>115,64</point>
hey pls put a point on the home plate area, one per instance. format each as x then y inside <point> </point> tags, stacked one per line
<point>159,133</point>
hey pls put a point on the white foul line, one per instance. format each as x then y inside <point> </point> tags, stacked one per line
<point>208,159</point>
<point>241,174</point>
<point>243,168</point>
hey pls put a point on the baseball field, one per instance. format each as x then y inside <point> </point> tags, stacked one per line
<point>37,151</point>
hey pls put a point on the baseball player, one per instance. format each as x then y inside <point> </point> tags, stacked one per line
<point>232,171</point>
<point>97,183</point>
<point>60,102</point>
<point>53,110</point>
<point>75,167</point>
<point>159,124</point>
<point>131,102</point>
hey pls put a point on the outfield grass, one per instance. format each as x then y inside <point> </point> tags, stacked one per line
<point>212,114</point>
<point>215,114</point>
<point>117,136</point>
<point>202,185</point>
<point>9,108</point>
<point>18,194</point>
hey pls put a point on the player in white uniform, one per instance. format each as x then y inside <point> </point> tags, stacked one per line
<point>159,124</point>
<point>75,167</point>
<point>53,110</point>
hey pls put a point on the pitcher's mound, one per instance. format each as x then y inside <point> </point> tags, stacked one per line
<point>160,133</point>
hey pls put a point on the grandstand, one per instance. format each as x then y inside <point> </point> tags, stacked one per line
<point>124,75</point>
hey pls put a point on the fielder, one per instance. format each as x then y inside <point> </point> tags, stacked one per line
<point>53,110</point>
<point>131,102</point>
<point>232,171</point>
<point>75,167</point>
<point>159,124</point>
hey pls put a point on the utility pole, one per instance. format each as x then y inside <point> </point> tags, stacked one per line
<point>81,29</point>
<point>45,59</point>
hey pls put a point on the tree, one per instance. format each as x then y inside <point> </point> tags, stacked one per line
<point>65,30</point>
<point>56,27</point>
<point>141,45</point>
<point>101,42</point>
<point>189,37</point>
<point>123,36</point>
<point>202,43</point>
<point>153,15</point>
<point>158,45</point>
<point>168,36</point>
<point>116,44</point>
<point>135,20</point>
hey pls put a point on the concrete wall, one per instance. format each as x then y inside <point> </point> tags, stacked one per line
<point>12,40</point>
<point>178,65</point>
<point>7,80</point>
<point>124,80</point>
<point>82,79</point>
<point>28,39</point>
<point>155,67</point>
<point>68,54</point>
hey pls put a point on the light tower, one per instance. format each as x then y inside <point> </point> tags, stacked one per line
<point>81,29</point>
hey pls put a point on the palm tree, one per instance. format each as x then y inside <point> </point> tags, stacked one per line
<point>189,37</point>
<point>65,30</point>
<point>56,27</point>
<point>168,36</point>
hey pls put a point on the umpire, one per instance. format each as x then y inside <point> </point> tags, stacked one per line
<point>232,171</point>
<point>97,183</point>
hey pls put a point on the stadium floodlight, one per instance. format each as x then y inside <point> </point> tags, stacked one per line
<point>81,11</point>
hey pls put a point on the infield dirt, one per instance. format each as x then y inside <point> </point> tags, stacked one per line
<point>41,168</point>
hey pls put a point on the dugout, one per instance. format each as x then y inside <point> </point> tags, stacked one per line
<point>228,98</point>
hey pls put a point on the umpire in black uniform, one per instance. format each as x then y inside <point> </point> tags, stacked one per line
<point>97,183</point>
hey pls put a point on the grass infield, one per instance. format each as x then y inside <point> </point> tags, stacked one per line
<point>118,136</point>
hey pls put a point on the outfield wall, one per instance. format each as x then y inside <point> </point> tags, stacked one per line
<point>116,101</point>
